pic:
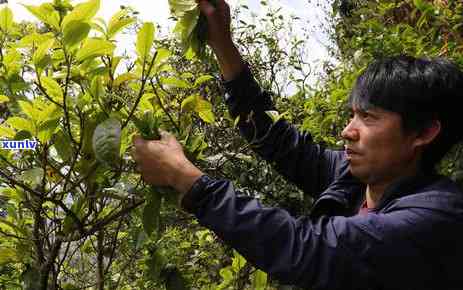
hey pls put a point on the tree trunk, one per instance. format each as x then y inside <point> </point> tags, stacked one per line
<point>100,262</point>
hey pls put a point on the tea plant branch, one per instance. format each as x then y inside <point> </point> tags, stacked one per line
<point>36,237</point>
<point>63,257</point>
<point>110,72</point>
<point>76,154</point>
<point>69,212</point>
<point>99,260</point>
<point>42,198</point>
<point>163,108</point>
<point>9,163</point>
<point>50,261</point>
<point>93,166</point>
<point>45,94</point>
<point>106,221</point>
<point>67,121</point>
<point>125,267</point>
<point>44,166</point>
<point>144,76</point>
<point>113,247</point>
<point>15,182</point>
<point>12,235</point>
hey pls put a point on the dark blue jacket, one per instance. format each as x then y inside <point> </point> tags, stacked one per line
<point>412,240</point>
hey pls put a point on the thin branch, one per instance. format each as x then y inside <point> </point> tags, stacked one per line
<point>46,95</point>
<point>142,89</point>
<point>20,184</point>
<point>12,236</point>
<point>69,212</point>
<point>106,221</point>
<point>163,108</point>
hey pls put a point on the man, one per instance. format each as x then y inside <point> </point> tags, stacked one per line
<point>383,219</point>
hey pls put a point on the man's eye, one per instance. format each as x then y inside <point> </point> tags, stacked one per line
<point>364,115</point>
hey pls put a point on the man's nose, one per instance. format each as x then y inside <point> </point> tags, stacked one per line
<point>350,132</point>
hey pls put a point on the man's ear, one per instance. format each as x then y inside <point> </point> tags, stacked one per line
<point>428,134</point>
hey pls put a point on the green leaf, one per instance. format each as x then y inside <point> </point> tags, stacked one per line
<point>148,125</point>
<point>69,286</point>
<point>191,28</point>
<point>27,109</point>
<point>6,19</point>
<point>119,21</point>
<point>202,79</point>
<point>236,121</point>
<point>259,280</point>
<point>202,107</point>
<point>106,142</point>
<point>5,224</point>
<point>125,77</point>
<point>12,61</point>
<point>161,59</point>
<point>69,223</point>
<point>32,177</point>
<point>93,47</point>
<point>20,124</point>
<point>204,110</point>
<point>62,147</point>
<point>47,129</point>
<point>227,276</point>
<point>6,132</point>
<point>4,99</point>
<point>145,38</point>
<point>189,103</point>
<point>75,32</point>
<point>45,13</point>
<point>422,5</point>
<point>185,27</point>
<point>7,255</point>
<point>238,262</point>
<point>151,213</point>
<point>35,39</point>
<point>154,265</point>
<point>179,7</point>
<point>97,89</point>
<point>40,54</point>
<point>176,83</point>
<point>274,115</point>
<point>82,12</point>
<point>46,111</point>
<point>52,88</point>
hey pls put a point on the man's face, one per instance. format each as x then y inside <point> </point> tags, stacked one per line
<point>377,147</point>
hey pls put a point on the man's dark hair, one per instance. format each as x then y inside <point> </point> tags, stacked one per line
<point>420,90</point>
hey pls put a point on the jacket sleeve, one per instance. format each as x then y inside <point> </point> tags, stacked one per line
<point>329,252</point>
<point>294,154</point>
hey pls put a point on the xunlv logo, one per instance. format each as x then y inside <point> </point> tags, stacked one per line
<point>18,144</point>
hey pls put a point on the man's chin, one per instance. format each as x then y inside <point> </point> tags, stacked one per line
<point>358,173</point>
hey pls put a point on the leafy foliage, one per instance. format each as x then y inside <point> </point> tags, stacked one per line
<point>191,28</point>
<point>77,215</point>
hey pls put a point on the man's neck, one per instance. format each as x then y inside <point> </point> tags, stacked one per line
<point>374,194</point>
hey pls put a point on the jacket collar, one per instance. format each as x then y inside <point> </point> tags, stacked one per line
<point>406,186</point>
<point>345,195</point>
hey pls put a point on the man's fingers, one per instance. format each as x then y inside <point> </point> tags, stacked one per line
<point>206,8</point>
<point>166,136</point>
<point>137,141</point>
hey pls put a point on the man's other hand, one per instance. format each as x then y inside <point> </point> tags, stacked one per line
<point>163,162</point>
<point>218,20</point>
